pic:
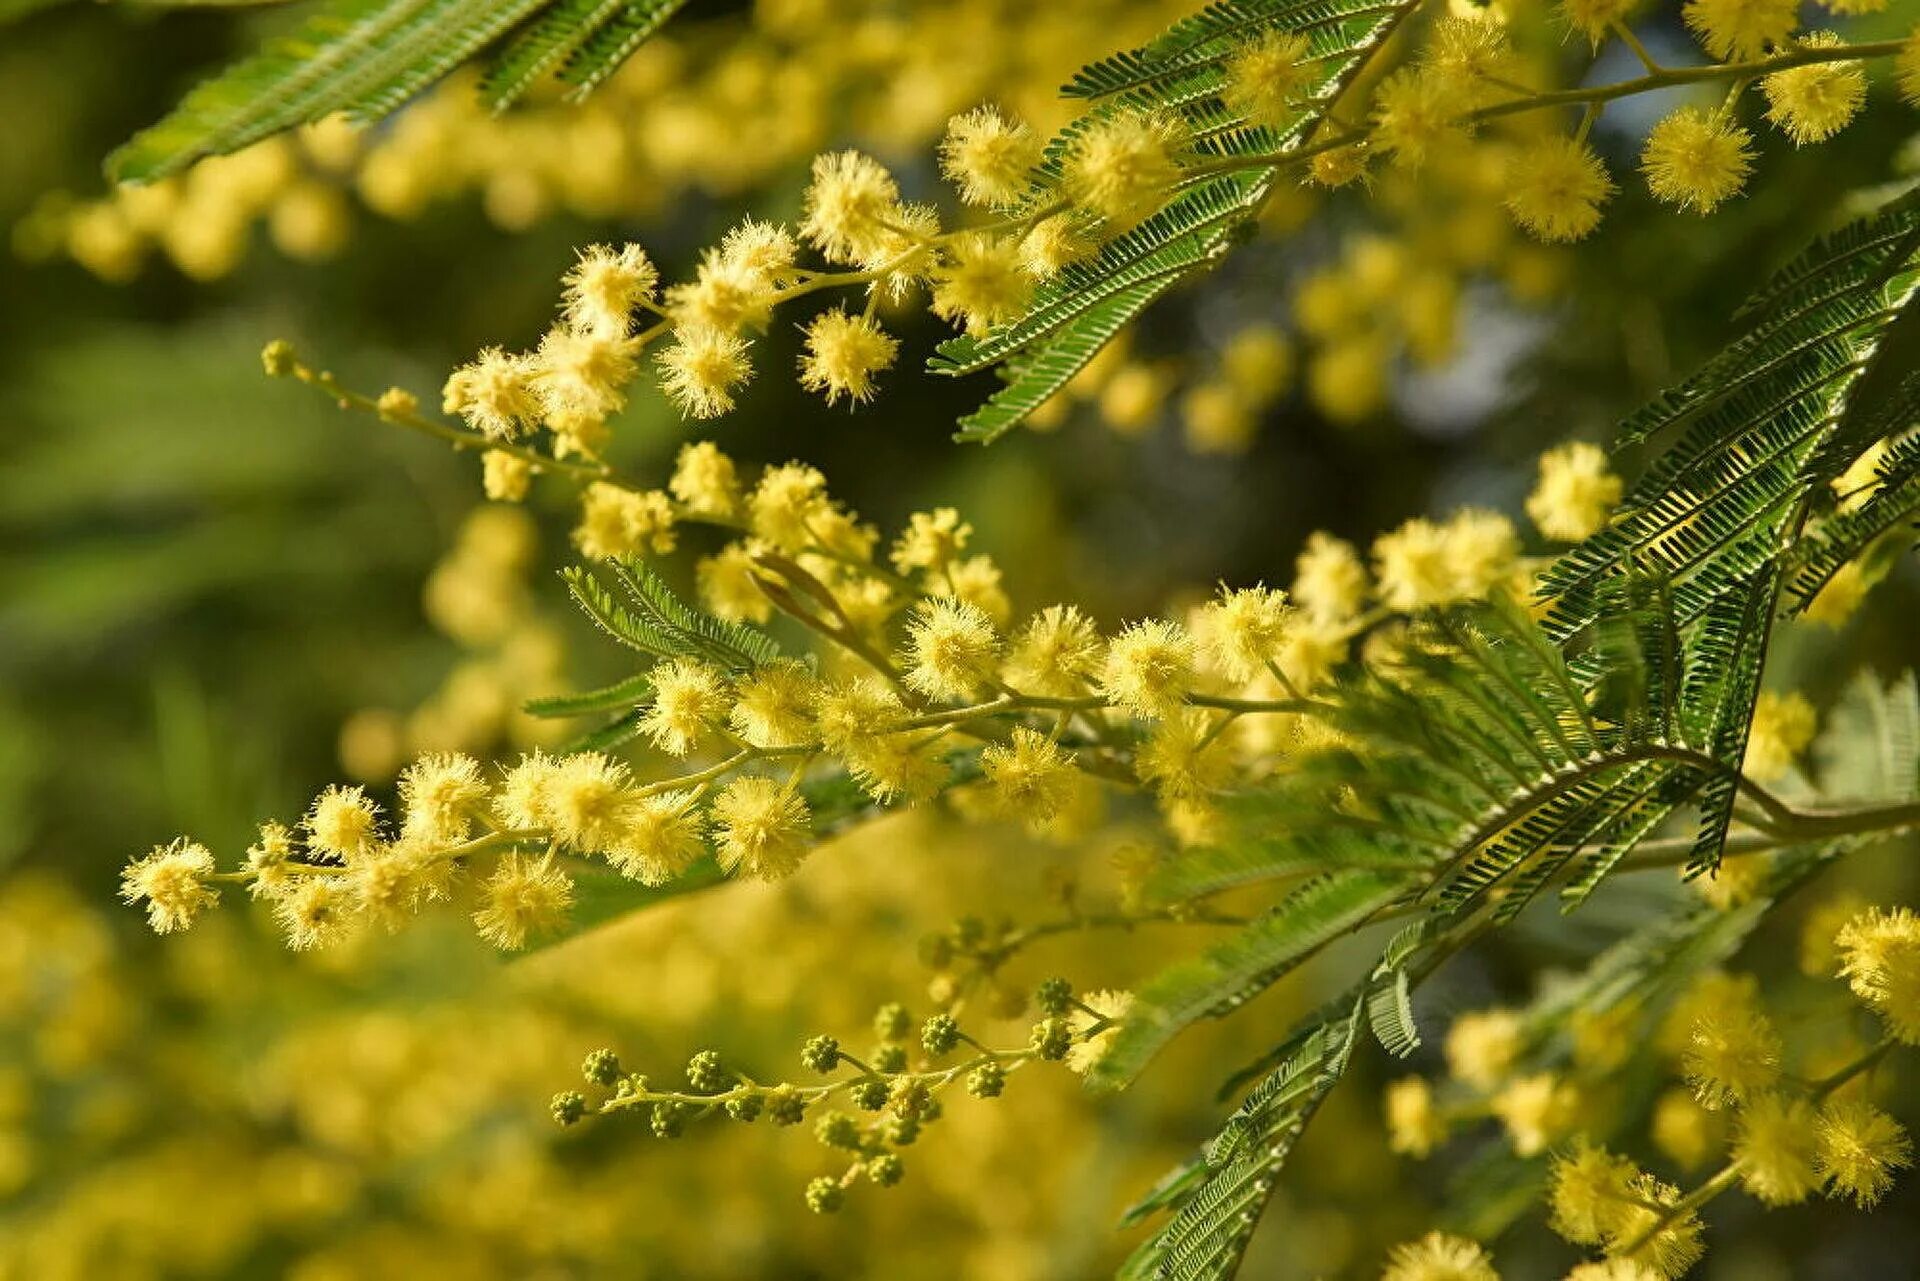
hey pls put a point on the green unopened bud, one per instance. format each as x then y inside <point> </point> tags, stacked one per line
<point>785,1105</point>
<point>885,1169</point>
<point>889,1057</point>
<point>669,1118</point>
<point>821,1053</point>
<point>901,1131</point>
<point>602,1067</point>
<point>909,1097</point>
<point>745,1107</point>
<point>1053,997</point>
<point>869,1096</point>
<point>568,1107</point>
<point>987,1081</point>
<point>1051,1038</point>
<point>704,1072</point>
<point>940,1034</point>
<point>825,1195</point>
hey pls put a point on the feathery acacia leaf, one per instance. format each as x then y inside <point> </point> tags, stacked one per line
<point>1073,316</point>
<point>368,57</point>
<point>647,616</point>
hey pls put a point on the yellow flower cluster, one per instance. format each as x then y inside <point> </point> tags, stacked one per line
<point>918,659</point>
<point>1787,1134</point>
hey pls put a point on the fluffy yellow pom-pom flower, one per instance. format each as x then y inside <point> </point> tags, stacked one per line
<point>1149,668</point>
<point>982,281</point>
<point>1555,189</point>
<point>1124,166</point>
<point>1741,28</point>
<point>1032,779</point>
<point>702,370</point>
<point>1575,494</point>
<point>1266,76</point>
<point>989,157</point>
<point>1857,1149</point>
<point>1438,1256</point>
<point>843,353</point>
<point>951,649</point>
<point>1696,160</point>
<point>172,881</point>
<point>1594,19</point>
<point>761,829</point>
<point>1814,102</point>
<point>1774,1147</point>
<point>847,204</point>
<point>522,898</point>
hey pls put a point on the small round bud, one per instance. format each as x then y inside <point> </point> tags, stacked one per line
<point>891,1022</point>
<point>821,1053</point>
<point>908,1097</point>
<point>277,358</point>
<point>704,1072</point>
<point>885,1169</point>
<point>825,1195</point>
<point>397,403</point>
<point>987,1081</point>
<point>1051,1039</point>
<point>901,1131</point>
<point>568,1107</point>
<point>630,1085</point>
<point>1053,995</point>
<point>785,1105</point>
<point>940,1034</point>
<point>745,1107</point>
<point>889,1057</point>
<point>602,1067</point>
<point>870,1096</point>
<point>669,1118</point>
<point>837,1130</point>
<point>931,1110</point>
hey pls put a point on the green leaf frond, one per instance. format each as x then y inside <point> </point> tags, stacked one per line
<point>366,58</point>
<point>1074,315</point>
<point>1497,755</point>
<point>648,617</point>
<point>1754,428</point>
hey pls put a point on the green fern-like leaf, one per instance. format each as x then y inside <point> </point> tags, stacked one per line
<point>543,46</point>
<point>362,56</point>
<point>612,43</point>
<point>1217,1200</point>
<point>1226,976</point>
<point>1753,428</point>
<point>627,693</point>
<point>648,617</point>
<point>368,57</point>
<point>1073,316</point>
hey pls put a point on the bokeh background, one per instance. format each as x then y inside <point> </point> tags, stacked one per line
<point>217,593</point>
